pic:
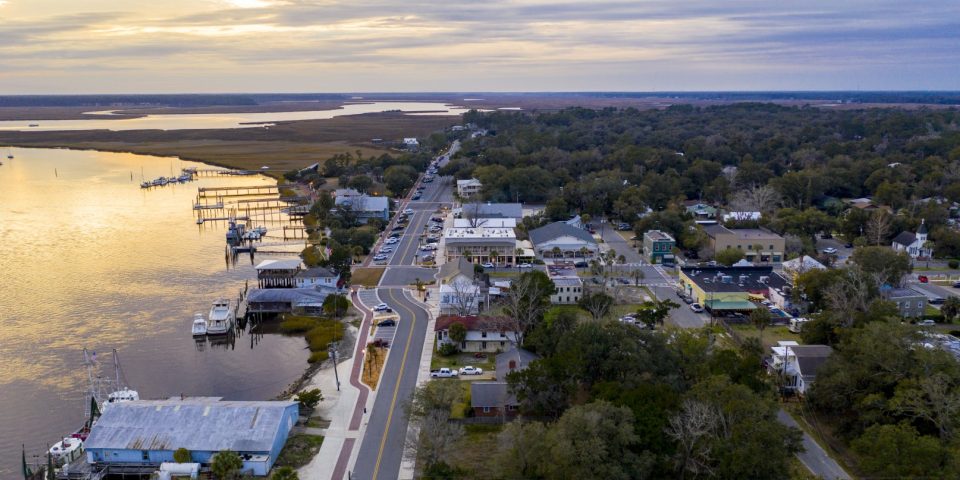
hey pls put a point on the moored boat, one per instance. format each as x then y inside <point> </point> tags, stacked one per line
<point>220,320</point>
<point>199,328</point>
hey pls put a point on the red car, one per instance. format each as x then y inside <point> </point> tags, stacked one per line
<point>923,278</point>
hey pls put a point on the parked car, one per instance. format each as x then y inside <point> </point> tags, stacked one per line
<point>397,228</point>
<point>580,264</point>
<point>388,323</point>
<point>381,256</point>
<point>937,301</point>
<point>488,265</point>
<point>408,211</point>
<point>830,251</point>
<point>628,319</point>
<point>926,323</point>
<point>443,373</point>
<point>848,245</point>
<point>470,370</point>
<point>386,249</point>
<point>525,265</point>
<point>696,307</point>
<point>956,284</point>
<point>416,196</point>
<point>381,308</point>
<point>381,343</point>
<point>391,241</point>
<point>623,226</point>
<point>395,235</point>
<point>923,278</point>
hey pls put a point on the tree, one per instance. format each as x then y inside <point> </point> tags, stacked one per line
<point>598,304</point>
<point>464,296</point>
<point>555,252</point>
<point>883,265</point>
<point>934,399</point>
<point>760,318</point>
<point>335,305</point>
<point>182,455</point>
<point>637,275</point>
<point>728,256</point>
<point>226,464</point>
<point>655,312</point>
<point>521,450</point>
<point>878,227</point>
<point>950,308</point>
<point>898,451</point>
<point>285,473</point>
<point>458,332</point>
<point>525,303</point>
<point>756,198</point>
<point>693,429</point>
<point>433,439</point>
<point>399,178</point>
<point>309,398</point>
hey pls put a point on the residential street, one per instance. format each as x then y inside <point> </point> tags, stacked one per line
<point>814,457</point>
<point>381,448</point>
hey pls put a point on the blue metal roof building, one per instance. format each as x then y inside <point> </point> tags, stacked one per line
<point>145,433</point>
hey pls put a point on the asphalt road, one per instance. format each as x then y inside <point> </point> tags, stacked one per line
<point>381,450</point>
<point>682,317</point>
<point>814,457</point>
<point>623,247</point>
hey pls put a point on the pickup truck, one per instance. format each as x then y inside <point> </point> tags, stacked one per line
<point>443,373</point>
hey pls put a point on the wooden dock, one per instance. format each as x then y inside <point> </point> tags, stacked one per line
<point>238,191</point>
<point>219,172</point>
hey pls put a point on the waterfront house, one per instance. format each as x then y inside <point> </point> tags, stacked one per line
<point>365,207</point>
<point>278,273</point>
<point>138,436</point>
<point>287,300</point>
<point>468,188</point>
<point>570,242</point>
<point>658,246</point>
<point>484,334</point>
<point>318,277</point>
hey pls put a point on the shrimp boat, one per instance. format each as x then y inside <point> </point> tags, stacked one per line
<point>103,392</point>
<point>220,320</point>
<point>199,328</point>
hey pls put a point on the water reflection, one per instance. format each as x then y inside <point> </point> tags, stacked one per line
<point>89,259</point>
<point>224,120</point>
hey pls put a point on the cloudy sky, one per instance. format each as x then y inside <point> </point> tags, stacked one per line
<point>97,46</point>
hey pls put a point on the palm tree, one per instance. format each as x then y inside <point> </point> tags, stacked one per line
<point>556,252</point>
<point>467,254</point>
<point>419,286</point>
<point>584,252</point>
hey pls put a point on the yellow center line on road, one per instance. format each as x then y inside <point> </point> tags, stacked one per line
<point>410,241</point>
<point>396,388</point>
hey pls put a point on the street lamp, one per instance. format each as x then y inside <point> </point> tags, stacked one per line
<point>333,354</point>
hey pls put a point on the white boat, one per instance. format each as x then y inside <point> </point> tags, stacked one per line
<point>123,395</point>
<point>199,325</point>
<point>145,184</point>
<point>68,449</point>
<point>261,230</point>
<point>220,320</point>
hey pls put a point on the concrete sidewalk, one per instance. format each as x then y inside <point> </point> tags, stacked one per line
<point>346,409</point>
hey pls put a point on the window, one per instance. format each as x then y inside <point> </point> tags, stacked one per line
<point>145,455</point>
<point>483,345</point>
<point>749,247</point>
<point>771,247</point>
<point>486,409</point>
<point>920,304</point>
<point>503,344</point>
<point>483,334</point>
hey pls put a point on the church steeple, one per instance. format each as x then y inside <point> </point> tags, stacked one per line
<point>922,231</point>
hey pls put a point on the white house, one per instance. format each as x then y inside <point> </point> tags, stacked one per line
<point>569,286</point>
<point>914,244</point>
<point>411,143</point>
<point>484,334</point>
<point>741,216</point>
<point>571,241</point>
<point>797,364</point>
<point>365,206</point>
<point>317,277</point>
<point>468,188</point>
<point>460,296</point>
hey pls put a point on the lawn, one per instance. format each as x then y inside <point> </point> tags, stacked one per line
<point>463,359</point>
<point>475,449</point>
<point>367,276</point>
<point>770,334</point>
<point>299,450</point>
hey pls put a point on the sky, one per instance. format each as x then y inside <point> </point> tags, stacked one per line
<point>179,46</point>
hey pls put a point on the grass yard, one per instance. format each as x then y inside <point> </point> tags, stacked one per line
<point>367,276</point>
<point>770,334</point>
<point>299,450</point>
<point>475,449</point>
<point>463,359</point>
<point>318,331</point>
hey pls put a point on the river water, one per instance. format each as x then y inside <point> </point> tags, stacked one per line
<point>223,120</point>
<point>88,259</point>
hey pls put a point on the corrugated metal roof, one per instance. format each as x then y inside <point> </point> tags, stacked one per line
<point>200,424</point>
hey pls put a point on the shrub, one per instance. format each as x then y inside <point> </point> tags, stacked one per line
<point>954,264</point>
<point>182,455</point>
<point>447,349</point>
<point>298,324</point>
<point>226,464</point>
<point>955,333</point>
<point>309,398</point>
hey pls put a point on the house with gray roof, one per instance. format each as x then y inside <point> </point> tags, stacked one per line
<point>569,241</point>
<point>142,434</point>
<point>494,399</point>
<point>910,302</point>
<point>914,244</point>
<point>796,364</point>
